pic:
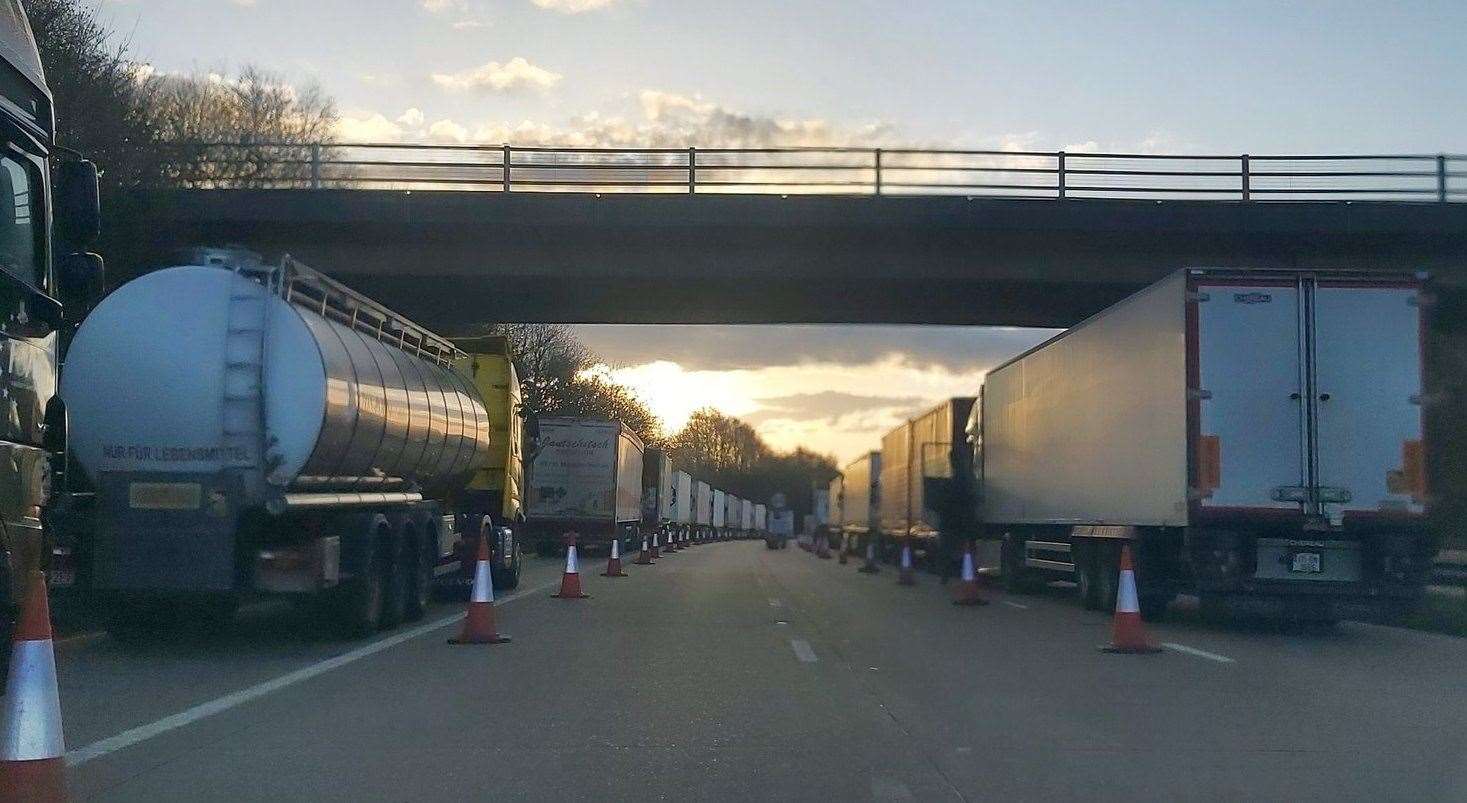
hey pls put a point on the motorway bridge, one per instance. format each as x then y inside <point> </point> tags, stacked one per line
<point>457,236</point>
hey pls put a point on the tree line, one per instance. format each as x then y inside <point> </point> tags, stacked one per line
<point>555,379</point>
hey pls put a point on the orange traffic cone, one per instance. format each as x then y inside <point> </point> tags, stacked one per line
<point>668,546</point>
<point>644,558</point>
<point>613,563</point>
<point>968,593</point>
<point>479,627</point>
<point>656,553</point>
<point>905,575</point>
<point>845,549</point>
<point>1127,633</point>
<point>570,582</point>
<point>32,767</point>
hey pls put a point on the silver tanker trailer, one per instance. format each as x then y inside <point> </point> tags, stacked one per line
<point>255,429</point>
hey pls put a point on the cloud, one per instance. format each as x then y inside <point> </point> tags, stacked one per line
<point>411,118</point>
<point>727,348</point>
<point>826,405</point>
<point>447,131</point>
<point>469,24</point>
<point>367,128</point>
<point>574,6</point>
<point>515,74</point>
<point>243,3</point>
<point>443,6</point>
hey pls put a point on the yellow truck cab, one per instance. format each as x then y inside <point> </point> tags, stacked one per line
<point>496,490</point>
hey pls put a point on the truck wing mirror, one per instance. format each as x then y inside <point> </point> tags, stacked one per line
<point>80,278</point>
<point>78,206</point>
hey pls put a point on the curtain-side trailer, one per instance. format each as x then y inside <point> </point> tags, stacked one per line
<point>1255,436</point>
<point>920,461</point>
<point>861,497</point>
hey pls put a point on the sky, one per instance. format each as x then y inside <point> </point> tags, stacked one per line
<point>1152,76</point>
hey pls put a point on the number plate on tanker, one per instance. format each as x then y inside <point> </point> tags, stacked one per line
<point>164,495</point>
<point>1306,562</point>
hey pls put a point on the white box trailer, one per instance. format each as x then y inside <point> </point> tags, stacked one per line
<point>733,514</point>
<point>1255,435</point>
<point>658,490</point>
<point>702,504</point>
<point>761,518</point>
<point>746,515</point>
<point>587,478</point>
<point>720,507</point>
<point>683,504</point>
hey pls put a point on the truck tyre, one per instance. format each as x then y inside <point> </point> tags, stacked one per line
<point>420,577</point>
<point>1107,562</point>
<point>359,605</point>
<point>508,579</point>
<point>1087,576</point>
<point>397,574</point>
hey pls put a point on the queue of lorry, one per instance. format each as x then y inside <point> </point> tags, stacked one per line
<point>1256,437</point>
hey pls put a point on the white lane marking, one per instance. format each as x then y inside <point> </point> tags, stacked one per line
<point>1211,656</point>
<point>1013,604</point>
<point>142,733</point>
<point>774,603</point>
<point>803,651</point>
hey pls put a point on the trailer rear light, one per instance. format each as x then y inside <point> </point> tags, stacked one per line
<point>1209,464</point>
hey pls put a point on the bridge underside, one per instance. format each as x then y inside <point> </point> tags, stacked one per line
<point>456,259</point>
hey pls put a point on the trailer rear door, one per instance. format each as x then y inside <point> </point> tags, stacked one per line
<point>1367,356</point>
<point>1251,437</point>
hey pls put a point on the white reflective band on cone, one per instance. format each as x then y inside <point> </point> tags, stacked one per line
<point>616,549</point>
<point>1126,599</point>
<point>32,707</point>
<point>968,574</point>
<point>483,587</point>
<point>570,561</point>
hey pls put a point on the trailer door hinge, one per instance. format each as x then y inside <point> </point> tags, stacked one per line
<point>1198,297</point>
<point>1198,393</point>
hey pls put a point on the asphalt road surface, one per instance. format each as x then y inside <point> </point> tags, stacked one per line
<point>730,672</point>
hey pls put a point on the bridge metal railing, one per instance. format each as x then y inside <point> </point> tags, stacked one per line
<point>851,171</point>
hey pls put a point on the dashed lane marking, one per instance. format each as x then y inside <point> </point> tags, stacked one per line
<point>142,733</point>
<point>1211,656</point>
<point>1013,604</point>
<point>803,651</point>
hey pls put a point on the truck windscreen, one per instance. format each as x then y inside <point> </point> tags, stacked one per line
<point>21,253</point>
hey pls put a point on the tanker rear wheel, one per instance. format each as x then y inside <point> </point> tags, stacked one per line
<point>360,600</point>
<point>397,579</point>
<point>416,549</point>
